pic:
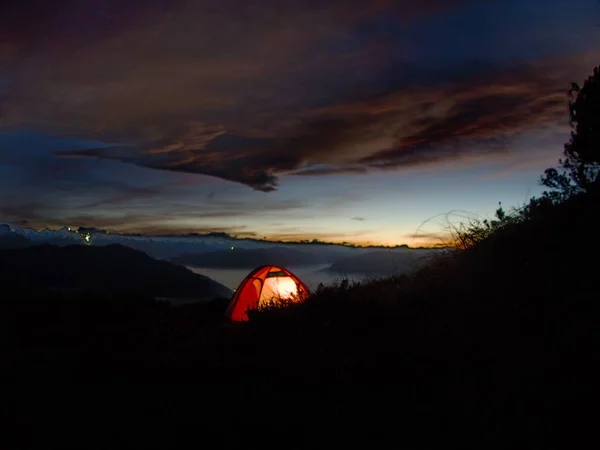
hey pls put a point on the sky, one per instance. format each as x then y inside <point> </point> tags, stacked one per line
<point>363,121</point>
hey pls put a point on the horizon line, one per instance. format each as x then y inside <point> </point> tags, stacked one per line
<point>223,235</point>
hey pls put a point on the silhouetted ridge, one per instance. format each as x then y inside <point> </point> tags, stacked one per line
<point>113,268</point>
<point>13,241</point>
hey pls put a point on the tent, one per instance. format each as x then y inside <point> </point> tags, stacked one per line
<point>264,286</point>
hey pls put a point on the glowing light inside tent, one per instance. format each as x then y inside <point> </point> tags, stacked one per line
<point>264,287</point>
<point>278,288</point>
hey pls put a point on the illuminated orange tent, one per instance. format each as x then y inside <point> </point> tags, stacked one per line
<point>264,286</point>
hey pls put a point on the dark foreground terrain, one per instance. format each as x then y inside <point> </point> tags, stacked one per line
<point>494,346</point>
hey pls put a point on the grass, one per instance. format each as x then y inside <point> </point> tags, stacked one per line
<point>491,346</point>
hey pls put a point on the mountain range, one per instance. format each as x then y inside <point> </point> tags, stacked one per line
<point>111,269</point>
<point>169,246</point>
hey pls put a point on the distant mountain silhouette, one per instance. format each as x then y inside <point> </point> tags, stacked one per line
<point>113,269</point>
<point>22,237</point>
<point>9,239</point>
<point>250,258</point>
<point>381,262</point>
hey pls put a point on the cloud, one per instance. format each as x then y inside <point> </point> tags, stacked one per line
<point>330,171</point>
<point>432,239</point>
<point>136,71</point>
<point>142,220</point>
<point>126,203</point>
<point>413,125</point>
<point>39,22</point>
<point>251,92</point>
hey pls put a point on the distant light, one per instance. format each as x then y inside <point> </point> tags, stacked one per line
<point>68,228</point>
<point>87,238</point>
<point>231,248</point>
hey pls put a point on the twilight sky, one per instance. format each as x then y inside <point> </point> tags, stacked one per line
<point>352,120</point>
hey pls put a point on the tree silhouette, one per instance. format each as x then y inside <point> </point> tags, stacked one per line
<point>579,170</point>
<point>584,111</point>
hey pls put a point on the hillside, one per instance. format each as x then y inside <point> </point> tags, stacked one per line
<point>11,241</point>
<point>113,269</point>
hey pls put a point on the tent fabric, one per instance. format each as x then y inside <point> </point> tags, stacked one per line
<point>264,286</point>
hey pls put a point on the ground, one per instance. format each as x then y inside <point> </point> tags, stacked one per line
<point>495,346</point>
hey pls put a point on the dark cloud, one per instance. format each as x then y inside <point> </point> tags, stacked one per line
<point>254,91</point>
<point>44,23</point>
<point>138,72</point>
<point>91,198</point>
<point>231,166</point>
<point>38,24</point>
<point>331,171</point>
<point>41,214</point>
<point>60,206</point>
<point>132,68</point>
<point>411,126</point>
<point>20,211</point>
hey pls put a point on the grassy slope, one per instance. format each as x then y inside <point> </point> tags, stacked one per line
<point>491,347</point>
